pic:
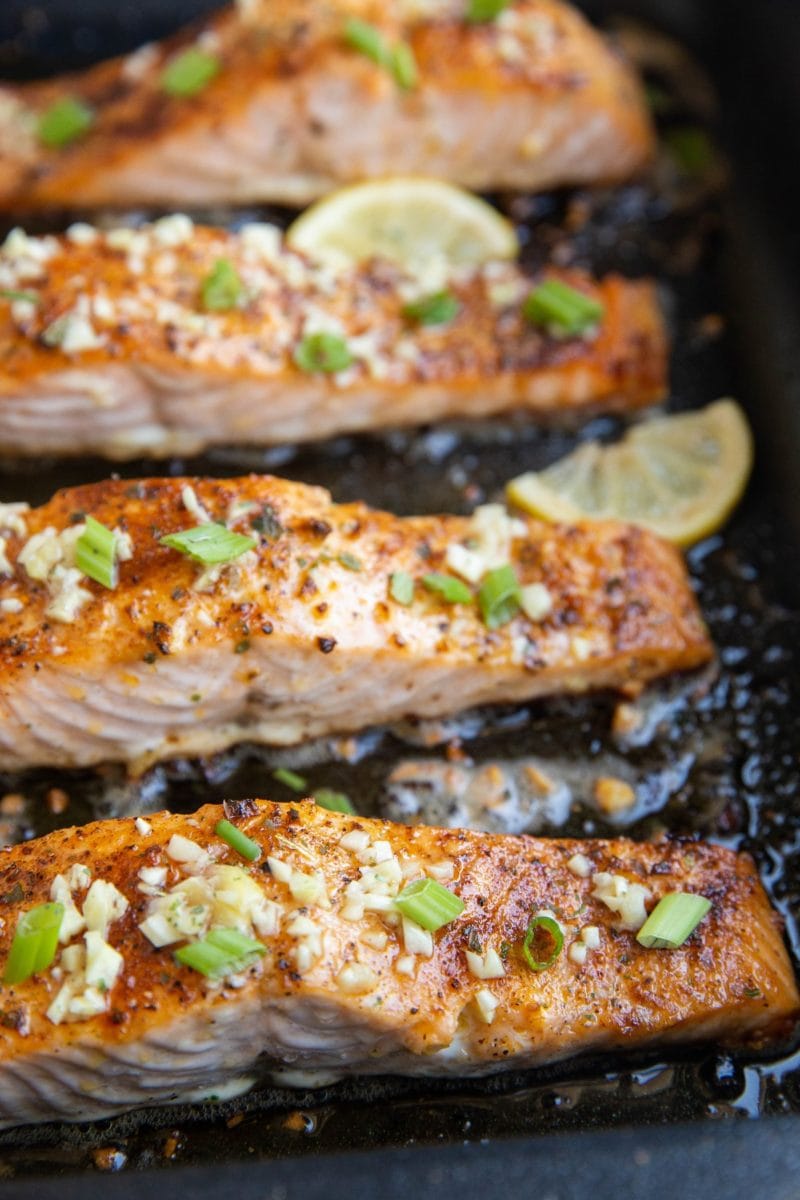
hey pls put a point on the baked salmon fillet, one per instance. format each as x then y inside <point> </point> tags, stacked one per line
<point>127,342</point>
<point>321,964</point>
<point>322,618</point>
<point>282,100</point>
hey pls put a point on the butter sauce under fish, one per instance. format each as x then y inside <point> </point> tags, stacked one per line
<point>302,636</point>
<point>344,986</point>
<point>106,347</point>
<point>532,100</point>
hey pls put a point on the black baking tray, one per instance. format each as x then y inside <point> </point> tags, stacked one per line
<point>658,1126</point>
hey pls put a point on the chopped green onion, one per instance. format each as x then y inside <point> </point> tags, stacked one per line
<point>350,561</point>
<point>333,801</point>
<point>451,590</point>
<point>562,309</point>
<point>222,952</point>
<point>429,904</point>
<point>10,294</point>
<point>322,352</point>
<point>35,942</point>
<point>485,10</point>
<point>96,553</point>
<point>237,840</point>
<point>64,121</point>
<point>542,929</point>
<point>401,587</point>
<point>691,148</point>
<point>499,596</point>
<point>403,66</point>
<point>190,72</point>
<point>290,779</point>
<point>367,40</point>
<point>209,543</point>
<point>222,288</point>
<point>436,309</point>
<point>672,921</point>
<point>398,60</point>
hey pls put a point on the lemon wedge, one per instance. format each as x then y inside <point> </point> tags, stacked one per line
<point>680,476</point>
<point>407,220</point>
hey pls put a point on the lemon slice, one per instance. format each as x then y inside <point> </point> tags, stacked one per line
<point>407,220</point>
<point>680,476</point>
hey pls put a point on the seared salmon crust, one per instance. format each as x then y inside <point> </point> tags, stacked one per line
<point>342,984</point>
<point>283,107</point>
<point>304,635</point>
<point>106,346</point>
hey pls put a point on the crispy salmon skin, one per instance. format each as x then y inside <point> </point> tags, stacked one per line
<point>338,617</point>
<point>338,980</point>
<point>108,344</point>
<point>281,105</point>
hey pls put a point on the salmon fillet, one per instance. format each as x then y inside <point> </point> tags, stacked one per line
<point>531,100</point>
<point>105,346</point>
<point>302,635</point>
<point>343,985</point>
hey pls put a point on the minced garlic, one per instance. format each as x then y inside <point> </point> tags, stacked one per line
<point>622,897</point>
<point>88,971</point>
<point>356,979</point>
<point>487,1004</point>
<point>485,966</point>
<point>49,557</point>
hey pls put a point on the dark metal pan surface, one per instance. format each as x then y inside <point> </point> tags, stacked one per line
<point>722,760</point>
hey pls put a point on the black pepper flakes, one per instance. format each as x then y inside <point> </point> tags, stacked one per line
<point>15,896</point>
<point>161,635</point>
<point>326,644</point>
<point>318,527</point>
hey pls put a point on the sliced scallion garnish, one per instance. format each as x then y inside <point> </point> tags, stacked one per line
<point>190,72</point>
<point>11,294</point>
<point>96,553</point>
<point>499,596</point>
<point>209,544</point>
<point>429,904</point>
<point>222,952</point>
<point>543,941</point>
<point>333,801</point>
<point>403,66</point>
<point>35,942</point>
<point>322,352</point>
<point>367,40</point>
<point>479,11</point>
<point>237,840</point>
<point>672,921</point>
<point>436,309</point>
<point>222,288</point>
<point>561,309</point>
<point>451,590</point>
<point>290,779</point>
<point>398,60</point>
<point>401,587</point>
<point>349,561</point>
<point>63,122</point>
